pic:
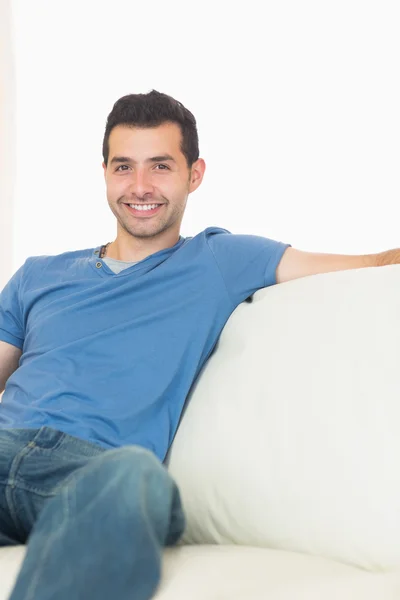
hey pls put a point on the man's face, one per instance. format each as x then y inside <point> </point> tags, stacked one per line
<point>146,167</point>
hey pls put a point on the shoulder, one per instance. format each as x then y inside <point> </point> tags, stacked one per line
<point>223,241</point>
<point>70,255</point>
<point>40,264</point>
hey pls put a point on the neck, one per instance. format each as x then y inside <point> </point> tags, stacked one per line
<point>127,252</point>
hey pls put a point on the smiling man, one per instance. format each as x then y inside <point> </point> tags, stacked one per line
<point>148,193</point>
<point>98,351</point>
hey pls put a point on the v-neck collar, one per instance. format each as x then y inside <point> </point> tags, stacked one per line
<point>103,270</point>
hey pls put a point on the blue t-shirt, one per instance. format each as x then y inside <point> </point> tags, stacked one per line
<point>110,358</point>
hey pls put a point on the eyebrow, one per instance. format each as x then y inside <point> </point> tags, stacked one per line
<point>127,159</point>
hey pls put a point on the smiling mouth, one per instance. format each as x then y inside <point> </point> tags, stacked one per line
<point>145,210</point>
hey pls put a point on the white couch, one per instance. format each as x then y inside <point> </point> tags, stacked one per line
<point>287,455</point>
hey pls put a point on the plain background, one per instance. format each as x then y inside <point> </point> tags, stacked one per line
<point>297,107</point>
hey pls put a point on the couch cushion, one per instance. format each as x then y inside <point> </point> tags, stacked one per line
<point>291,436</point>
<point>241,573</point>
<point>244,573</point>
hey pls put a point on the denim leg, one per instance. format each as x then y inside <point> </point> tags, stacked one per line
<point>102,535</point>
<point>8,536</point>
<point>33,465</point>
<point>11,445</point>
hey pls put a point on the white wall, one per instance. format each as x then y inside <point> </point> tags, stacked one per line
<point>7,142</point>
<point>297,105</point>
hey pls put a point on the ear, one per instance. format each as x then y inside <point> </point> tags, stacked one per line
<point>198,170</point>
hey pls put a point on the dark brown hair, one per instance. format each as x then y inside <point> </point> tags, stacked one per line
<point>151,110</point>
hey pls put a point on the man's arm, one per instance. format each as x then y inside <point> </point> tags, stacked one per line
<point>9,359</point>
<point>296,263</point>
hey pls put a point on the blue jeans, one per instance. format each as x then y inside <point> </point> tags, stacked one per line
<point>95,520</point>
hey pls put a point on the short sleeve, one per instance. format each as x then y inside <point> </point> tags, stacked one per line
<point>11,321</point>
<point>247,262</point>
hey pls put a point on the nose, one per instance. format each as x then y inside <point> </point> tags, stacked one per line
<point>140,184</point>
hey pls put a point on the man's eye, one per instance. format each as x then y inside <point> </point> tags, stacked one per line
<point>160,165</point>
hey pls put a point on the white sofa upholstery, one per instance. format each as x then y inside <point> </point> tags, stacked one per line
<point>287,453</point>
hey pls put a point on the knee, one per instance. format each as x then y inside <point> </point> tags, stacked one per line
<point>129,471</point>
<point>135,482</point>
<point>129,460</point>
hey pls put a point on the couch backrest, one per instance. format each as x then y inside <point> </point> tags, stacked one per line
<point>291,437</point>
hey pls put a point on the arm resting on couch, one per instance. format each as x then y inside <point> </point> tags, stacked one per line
<point>296,263</point>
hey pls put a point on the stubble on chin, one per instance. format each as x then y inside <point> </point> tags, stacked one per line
<point>141,229</point>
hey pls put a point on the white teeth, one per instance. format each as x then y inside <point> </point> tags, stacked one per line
<point>144,207</point>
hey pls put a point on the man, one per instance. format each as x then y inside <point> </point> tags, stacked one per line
<point>98,351</point>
